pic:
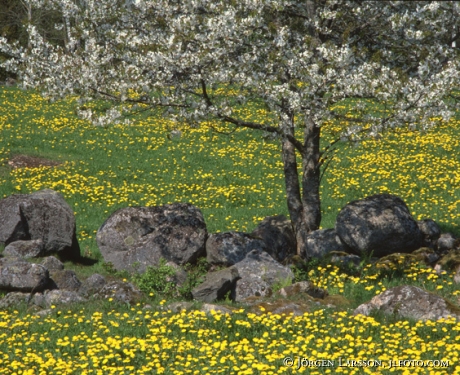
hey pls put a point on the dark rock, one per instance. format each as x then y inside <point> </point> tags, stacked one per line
<point>430,230</point>
<point>22,276</point>
<point>141,236</point>
<point>179,277</point>
<point>65,279</point>
<point>24,249</point>
<point>408,301</point>
<point>343,258</point>
<point>120,291</point>
<point>278,236</point>
<point>13,224</point>
<point>43,215</point>
<point>380,224</point>
<point>216,285</point>
<point>226,249</point>
<point>92,285</point>
<point>321,242</point>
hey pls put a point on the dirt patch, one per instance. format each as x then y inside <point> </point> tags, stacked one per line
<point>26,161</point>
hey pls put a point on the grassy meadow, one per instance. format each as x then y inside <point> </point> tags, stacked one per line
<point>236,180</point>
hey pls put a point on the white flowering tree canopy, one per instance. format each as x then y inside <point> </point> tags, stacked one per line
<point>297,57</point>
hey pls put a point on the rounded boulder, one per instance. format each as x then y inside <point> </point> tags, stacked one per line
<point>379,225</point>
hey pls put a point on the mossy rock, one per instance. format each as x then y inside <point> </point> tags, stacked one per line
<point>450,261</point>
<point>336,300</point>
<point>298,306</point>
<point>282,307</point>
<point>423,251</point>
<point>397,260</point>
<point>426,255</point>
<point>455,309</point>
<point>301,289</point>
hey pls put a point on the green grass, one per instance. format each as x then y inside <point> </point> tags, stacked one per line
<point>236,181</point>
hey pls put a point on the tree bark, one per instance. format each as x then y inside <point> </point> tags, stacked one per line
<point>311,176</point>
<point>28,7</point>
<point>304,208</point>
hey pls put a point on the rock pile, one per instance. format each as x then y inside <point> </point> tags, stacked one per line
<point>243,267</point>
<point>48,284</point>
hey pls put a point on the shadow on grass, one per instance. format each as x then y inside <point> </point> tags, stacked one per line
<point>85,261</point>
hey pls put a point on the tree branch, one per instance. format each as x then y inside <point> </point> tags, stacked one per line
<point>251,125</point>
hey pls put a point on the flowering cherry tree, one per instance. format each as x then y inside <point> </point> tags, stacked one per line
<point>297,58</point>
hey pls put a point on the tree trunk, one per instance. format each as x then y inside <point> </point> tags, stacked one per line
<point>28,7</point>
<point>311,200</point>
<point>305,212</point>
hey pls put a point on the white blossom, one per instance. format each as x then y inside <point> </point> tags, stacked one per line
<point>167,51</point>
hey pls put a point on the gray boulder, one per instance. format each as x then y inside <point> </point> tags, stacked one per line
<point>445,242</point>
<point>92,285</point>
<point>251,286</point>
<point>226,249</point>
<point>381,224</point>
<point>408,301</point>
<point>14,299</point>
<point>260,273</point>
<point>134,238</point>
<point>22,276</point>
<point>43,215</point>
<point>56,297</point>
<point>216,285</point>
<point>278,236</point>
<point>24,249</point>
<point>65,279</point>
<point>119,291</point>
<point>321,242</point>
<point>52,263</point>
